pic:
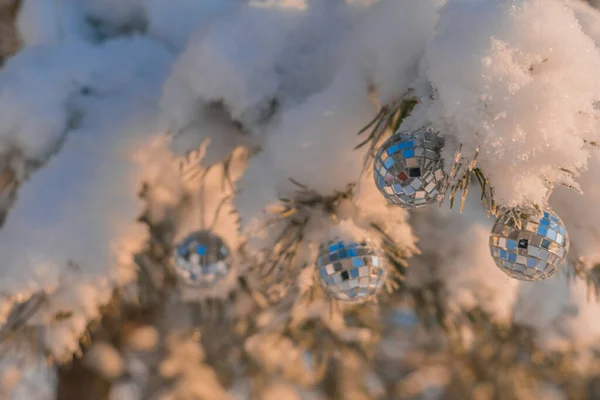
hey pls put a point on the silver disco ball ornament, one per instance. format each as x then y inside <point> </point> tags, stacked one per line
<point>532,252</point>
<point>350,271</point>
<point>202,259</point>
<point>408,169</point>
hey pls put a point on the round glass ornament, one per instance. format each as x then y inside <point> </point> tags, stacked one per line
<point>350,271</point>
<point>202,259</point>
<point>409,170</point>
<point>533,251</point>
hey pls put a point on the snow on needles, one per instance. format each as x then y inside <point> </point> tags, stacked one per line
<point>518,80</point>
<point>73,230</point>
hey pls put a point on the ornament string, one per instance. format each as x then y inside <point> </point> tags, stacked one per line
<point>202,205</point>
<point>203,197</point>
<point>218,212</point>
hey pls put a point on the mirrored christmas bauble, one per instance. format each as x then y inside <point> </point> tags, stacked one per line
<point>408,168</point>
<point>202,259</point>
<point>350,271</point>
<point>532,252</point>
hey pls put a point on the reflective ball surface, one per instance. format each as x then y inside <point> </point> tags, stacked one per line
<point>532,252</point>
<point>408,169</point>
<point>350,271</point>
<point>202,259</point>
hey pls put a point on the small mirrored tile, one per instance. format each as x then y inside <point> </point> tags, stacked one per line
<point>536,241</point>
<point>414,172</point>
<point>408,153</point>
<point>541,265</point>
<point>514,234</point>
<point>430,187</point>
<point>412,163</point>
<point>559,239</point>
<point>409,190</point>
<point>533,251</point>
<point>554,247</point>
<point>416,183</point>
<point>531,227</point>
<point>519,268</point>
<point>403,176</point>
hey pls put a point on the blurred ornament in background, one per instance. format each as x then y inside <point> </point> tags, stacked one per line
<point>408,168</point>
<point>350,271</point>
<point>533,251</point>
<point>202,259</point>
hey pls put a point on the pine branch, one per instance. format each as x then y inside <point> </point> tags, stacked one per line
<point>20,314</point>
<point>395,255</point>
<point>390,117</point>
<point>295,213</point>
<point>589,275</point>
<point>461,175</point>
<point>284,249</point>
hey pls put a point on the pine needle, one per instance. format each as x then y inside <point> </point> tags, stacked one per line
<point>390,117</point>
<point>20,314</point>
<point>465,190</point>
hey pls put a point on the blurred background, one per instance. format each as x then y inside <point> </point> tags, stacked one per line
<point>439,334</point>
